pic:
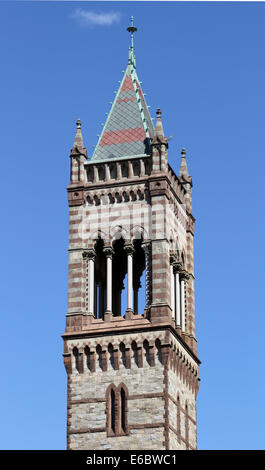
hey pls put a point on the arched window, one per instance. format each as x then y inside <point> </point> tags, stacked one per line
<point>146,351</point>
<point>187,424</point>
<point>119,267</point>
<point>76,359</point>
<point>99,356</point>
<point>111,355</point>
<point>158,350</point>
<point>123,410</point>
<point>112,411</point>
<point>116,410</point>
<point>100,280</point>
<point>123,355</point>
<point>178,420</point>
<point>88,356</point>
<point>134,353</point>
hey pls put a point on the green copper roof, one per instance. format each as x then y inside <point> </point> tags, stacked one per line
<point>128,128</point>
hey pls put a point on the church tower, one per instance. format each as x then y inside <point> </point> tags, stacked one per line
<point>131,360</point>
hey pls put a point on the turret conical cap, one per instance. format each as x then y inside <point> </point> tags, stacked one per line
<point>78,147</point>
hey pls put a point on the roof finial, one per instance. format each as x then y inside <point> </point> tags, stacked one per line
<point>78,147</point>
<point>184,172</point>
<point>159,132</point>
<point>158,113</point>
<point>132,29</point>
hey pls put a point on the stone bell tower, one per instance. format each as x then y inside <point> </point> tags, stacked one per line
<point>132,366</point>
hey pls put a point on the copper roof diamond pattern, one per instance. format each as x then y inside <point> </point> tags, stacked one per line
<point>129,127</point>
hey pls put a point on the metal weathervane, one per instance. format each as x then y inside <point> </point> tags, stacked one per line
<point>132,29</point>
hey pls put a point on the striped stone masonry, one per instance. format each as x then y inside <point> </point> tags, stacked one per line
<point>161,383</point>
<point>133,371</point>
<point>149,204</point>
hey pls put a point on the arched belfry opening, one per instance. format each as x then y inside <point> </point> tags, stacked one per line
<point>138,275</point>
<point>100,279</point>
<point>119,277</point>
<point>119,270</point>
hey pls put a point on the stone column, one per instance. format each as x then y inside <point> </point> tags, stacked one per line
<point>178,299</point>
<point>107,172</point>
<point>142,167</point>
<point>130,169</point>
<point>148,274</point>
<point>96,178</point>
<point>96,313</point>
<point>135,297</point>
<point>118,166</point>
<point>109,252</point>
<point>90,256</point>
<point>184,276</point>
<point>129,250</point>
<point>172,290</point>
<point>177,268</point>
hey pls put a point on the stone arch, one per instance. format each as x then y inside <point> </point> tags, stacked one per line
<point>111,198</point>
<point>76,359</point>
<point>183,258</point>
<point>89,200</point>
<point>117,232</point>
<point>158,350</point>
<point>125,196</point>
<point>140,194</point>
<point>132,195</point>
<point>111,355</point>
<point>134,353</point>
<point>119,267</point>
<point>98,234</point>
<point>146,351</point>
<point>138,232</point>
<point>118,197</point>
<point>111,410</point>
<point>122,401</point>
<point>96,200</point>
<point>122,353</point>
<point>87,358</point>
<point>99,357</point>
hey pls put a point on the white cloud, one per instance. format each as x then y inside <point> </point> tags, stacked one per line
<point>99,19</point>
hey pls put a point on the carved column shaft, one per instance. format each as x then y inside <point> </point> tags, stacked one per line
<point>129,250</point>
<point>90,255</point>
<point>109,253</point>
<point>148,274</point>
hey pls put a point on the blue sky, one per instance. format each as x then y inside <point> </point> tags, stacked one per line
<point>203,64</point>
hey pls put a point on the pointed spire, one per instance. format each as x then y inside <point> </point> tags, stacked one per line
<point>184,172</point>
<point>186,181</point>
<point>132,29</point>
<point>78,147</point>
<point>159,135</point>
<point>159,131</point>
<point>128,129</point>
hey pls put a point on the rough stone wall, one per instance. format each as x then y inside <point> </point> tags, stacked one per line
<point>144,414</point>
<point>182,414</point>
<point>87,400</point>
<point>160,379</point>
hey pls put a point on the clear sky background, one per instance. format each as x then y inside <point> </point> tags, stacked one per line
<point>203,64</point>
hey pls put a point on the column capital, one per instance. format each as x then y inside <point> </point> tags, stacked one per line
<point>129,249</point>
<point>108,251</point>
<point>184,275</point>
<point>177,266</point>
<point>89,254</point>
<point>146,245</point>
